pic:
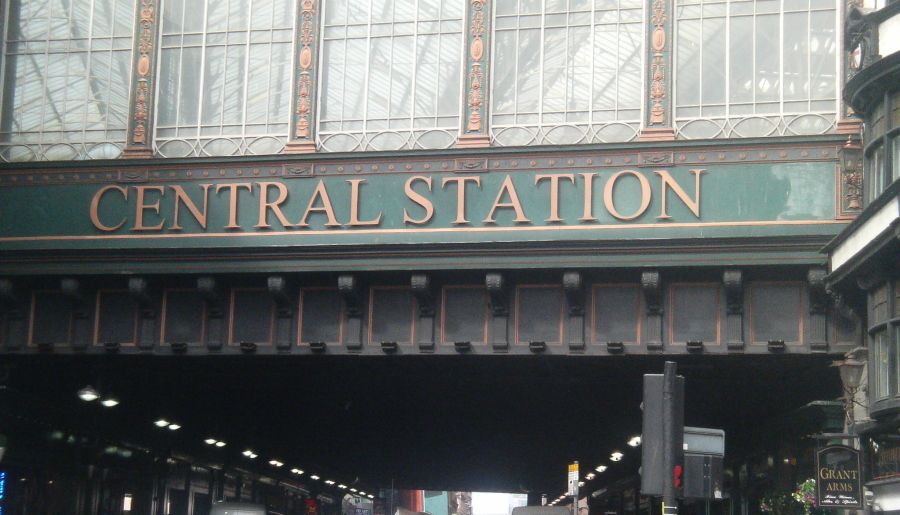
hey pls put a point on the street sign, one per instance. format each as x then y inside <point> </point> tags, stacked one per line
<point>838,478</point>
<point>573,478</point>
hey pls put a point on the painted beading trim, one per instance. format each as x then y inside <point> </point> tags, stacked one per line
<point>658,72</point>
<point>303,119</point>
<point>476,72</point>
<point>140,130</point>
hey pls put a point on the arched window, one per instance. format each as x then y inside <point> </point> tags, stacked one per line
<point>224,77</point>
<point>390,74</point>
<point>746,68</point>
<point>67,65</point>
<point>566,71</point>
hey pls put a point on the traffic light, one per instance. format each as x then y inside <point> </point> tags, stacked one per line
<point>678,477</point>
<point>654,471</point>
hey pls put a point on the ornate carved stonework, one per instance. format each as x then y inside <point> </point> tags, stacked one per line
<point>142,98</point>
<point>658,64</point>
<point>475,132</point>
<point>302,133</point>
<point>851,177</point>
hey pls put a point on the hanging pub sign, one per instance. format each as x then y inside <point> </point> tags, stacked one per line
<point>838,478</point>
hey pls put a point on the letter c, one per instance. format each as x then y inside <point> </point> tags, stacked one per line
<point>95,208</point>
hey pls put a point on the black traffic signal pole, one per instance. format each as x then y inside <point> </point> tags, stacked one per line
<point>670,453</point>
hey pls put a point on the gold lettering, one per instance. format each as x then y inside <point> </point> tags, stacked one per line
<point>182,196</point>
<point>554,192</point>
<point>95,208</point>
<point>354,206</point>
<point>233,190</point>
<point>265,206</point>
<point>418,199</point>
<point>461,195</point>
<point>141,207</point>
<point>668,182</point>
<point>610,187</point>
<point>321,194</point>
<point>588,214</point>
<point>509,188</point>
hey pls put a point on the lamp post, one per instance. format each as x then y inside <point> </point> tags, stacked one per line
<point>851,369</point>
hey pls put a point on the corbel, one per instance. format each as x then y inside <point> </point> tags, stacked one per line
<point>12,315</point>
<point>350,292</point>
<point>282,296</point>
<point>733,281</point>
<point>818,309</point>
<point>496,288</point>
<point>80,333</point>
<point>573,287</point>
<point>139,290</point>
<point>422,290</point>
<point>214,297</point>
<point>650,284</point>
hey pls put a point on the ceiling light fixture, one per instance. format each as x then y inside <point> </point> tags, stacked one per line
<point>616,456</point>
<point>275,463</point>
<point>314,477</point>
<point>220,444</point>
<point>109,402</point>
<point>354,490</point>
<point>634,441</point>
<point>601,468</point>
<point>590,475</point>
<point>174,427</point>
<point>297,471</point>
<point>362,493</point>
<point>88,394</point>
<point>250,454</point>
<point>342,486</point>
<point>210,441</point>
<point>329,482</point>
<point>161,422</point>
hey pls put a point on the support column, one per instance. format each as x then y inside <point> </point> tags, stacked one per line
<point>658,116</point>
<point>302,134</point>
<point>847,122</point>
<point>574,288</point>
<point>653,301</point>
<point>818,306</point>
<point>734,309</point>
<point>475,131</point>
<point>499,307</point>
<point>350,291</point>
<point>139,142</point>
<point>421,289</point>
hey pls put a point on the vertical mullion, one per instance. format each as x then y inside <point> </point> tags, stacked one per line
<point>204,31</point>
<point>368,47</point>
<point>415,63</point>
<point>247,47</point>
<point>593,40</point>
<point>540,105</point>
<point>727,60</point>
<point>781,62</point>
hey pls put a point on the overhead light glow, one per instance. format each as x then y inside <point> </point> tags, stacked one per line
<point>354,490</point>
<point>616,456</point>
<point>581,483</point>
<point>275,463</point>
<point>210,441</point>
<point>250,454</point>
<point>161,422</point>
<point>220,444</point>
<point>174,427</point>
<point>362,493</point>
<point>342,486</point>
<point>601,468</point>
<point>590,475</point>
<point>329,482</point>
<point>370,496</point>
<point>297,471</point>
<point>314,477</point>
<point>88,394</point>
<point>110,402</point>
<point>634,441</point>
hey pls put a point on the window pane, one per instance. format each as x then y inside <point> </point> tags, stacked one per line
<point>566,72</point>
<point>224,90</point>
<point>391,75</point>
<point>67,104</point>
<point>617,314</point>
<point>776,312</point>
<point>694,314</point>
<point>464,315</point>
<point>778,60</point>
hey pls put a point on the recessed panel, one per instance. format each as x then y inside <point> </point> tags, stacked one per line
<point>251,316</point>
<point>464,315</point>
<point>320,316</point>
<point>617,311</point>
<point>391,315</point>
<point>116,318</point>
<point>184,317</point>
<point>694,313</point>
<point>539,314</point>
<point>776,312</point>
<point>51,314</point>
